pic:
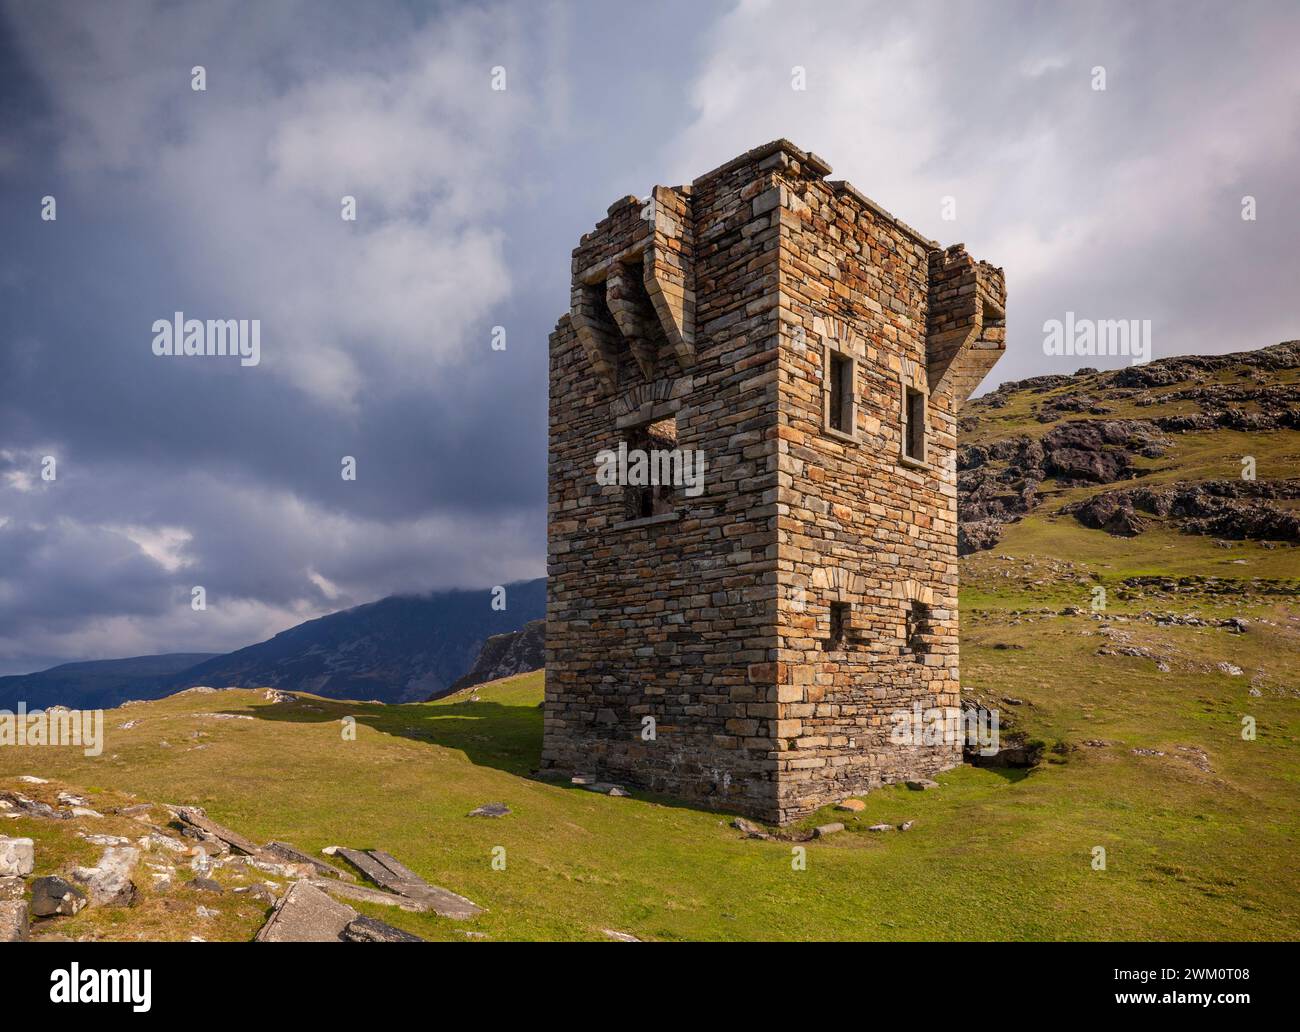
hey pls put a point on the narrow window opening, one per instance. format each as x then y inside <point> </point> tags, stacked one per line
<point>841,388</point>
<point>914,424</point>
<point>839,625</point>
<point>654,440</point>
<point>918,628</point>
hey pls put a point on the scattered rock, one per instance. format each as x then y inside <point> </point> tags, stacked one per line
<point>17,857</point>
<point>490,810</point>
<point>32,779</point>
<point>386,871</point>
<point>306,914</point>
<point>922,785</point>
<point>851,805</point>
<point>195,818</point>
<point>1231,669</point>
<point>109,883</point>
<point>260,892</point>
<point>881,827</point>
<point>367,929</point>
<point>206,912</point>
<point>827,829</point>
<point>157,840</point>
<point>12,889</point>
<point>15,925</point>
<point>51,896</point>
<point>752,830</point>
<point>107,840</point>
<point>204,885</point>
<point>906,826</point>
<point>618,936</point>
<point>284,851</point>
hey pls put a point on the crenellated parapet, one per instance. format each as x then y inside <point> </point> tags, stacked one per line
<point>633,292</point>
<point>966,323</point>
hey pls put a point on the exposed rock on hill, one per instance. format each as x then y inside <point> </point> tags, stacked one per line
<point>1009,464</point>
<point>505,655</point>
<point>1233,509</point>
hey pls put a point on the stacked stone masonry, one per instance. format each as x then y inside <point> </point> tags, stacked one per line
<point>771,624</point>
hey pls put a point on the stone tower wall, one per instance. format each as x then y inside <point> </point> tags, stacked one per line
<point>664,616</point>
<point>715,308</point>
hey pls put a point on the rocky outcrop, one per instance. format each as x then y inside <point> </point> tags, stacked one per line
<point>505,655</point>
<point>1232,509</point>
<point>998,483</point>
<point>1001,481</point>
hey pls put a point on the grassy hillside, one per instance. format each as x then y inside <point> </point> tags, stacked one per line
<point>1192,853</point>
<point>1140,704</point>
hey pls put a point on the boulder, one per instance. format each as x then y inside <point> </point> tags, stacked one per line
<point>17,857</point>
<point>53,896</point>
<point>367,929</point>
<point>15,925</point>
<point>109,882</point>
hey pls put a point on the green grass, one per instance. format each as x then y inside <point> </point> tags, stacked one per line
<point>991,855</point>
<point>1191,853</point>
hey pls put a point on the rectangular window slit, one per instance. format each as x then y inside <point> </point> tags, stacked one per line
<point>914,424</point>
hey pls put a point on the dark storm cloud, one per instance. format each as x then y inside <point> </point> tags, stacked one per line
<point>225,204</point>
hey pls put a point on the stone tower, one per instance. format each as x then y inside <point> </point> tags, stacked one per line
<point>774,621</point>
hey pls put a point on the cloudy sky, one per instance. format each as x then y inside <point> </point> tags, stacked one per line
<point>225,203</point>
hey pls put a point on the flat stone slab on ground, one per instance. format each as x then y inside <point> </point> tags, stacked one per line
<point>365,894</point>
<point>489,810</point>
<point>384,870</point>
<point>194,817</point>
<point>306,914</point>
<point>367,929</point>
<point>851,805</point>
<point>284,851</point>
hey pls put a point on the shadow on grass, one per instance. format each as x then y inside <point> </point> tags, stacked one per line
<point>490,734</point>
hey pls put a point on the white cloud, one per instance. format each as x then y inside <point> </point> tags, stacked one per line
<point>1102,201</point>
<point>247,178</point>
<point>161,544</point>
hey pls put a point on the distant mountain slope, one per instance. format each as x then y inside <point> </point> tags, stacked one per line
<point>505,655</point>
<point>97,684</point>
<point>399,649</point>
<point>1162,444</point>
